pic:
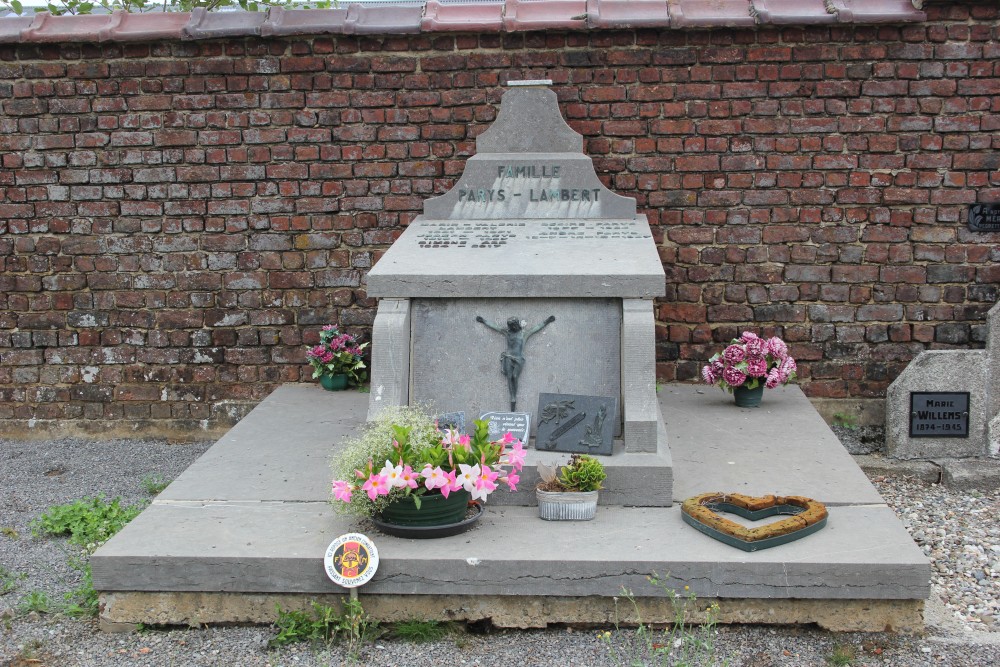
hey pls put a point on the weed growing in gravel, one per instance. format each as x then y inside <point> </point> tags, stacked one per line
<point>154,484</point>
<point>8,580</point>
<point>89,522</point>
<point>37,601</point>
<point>415,630</point>
<point>680,644</point>
<point>352,625</point>
<point>7,531</point>
<point>843,655</point>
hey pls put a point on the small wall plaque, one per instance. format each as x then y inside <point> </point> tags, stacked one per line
<point>939,414</point>
<point>578,424</point>
<point>518,423</point>
<point>984,217</point>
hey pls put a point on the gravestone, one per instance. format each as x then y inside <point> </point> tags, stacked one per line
<point>528,267</point>
<point>946,403</point>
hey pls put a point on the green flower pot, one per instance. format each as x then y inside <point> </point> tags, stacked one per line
<point>435,510</point>
<point>333,382</point>
<point>748,398</point>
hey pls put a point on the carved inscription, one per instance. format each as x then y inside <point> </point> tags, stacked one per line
<point>490,234</point>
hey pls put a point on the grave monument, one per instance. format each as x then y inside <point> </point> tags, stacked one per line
<point>529,244</point>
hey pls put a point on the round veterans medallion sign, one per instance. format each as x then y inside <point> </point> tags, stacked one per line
<point>351,560</point>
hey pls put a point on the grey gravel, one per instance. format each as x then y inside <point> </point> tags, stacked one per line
<point>958,530</point>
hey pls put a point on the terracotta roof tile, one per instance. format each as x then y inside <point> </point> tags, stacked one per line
<point>524,15</point>
<point>282,21</point>
<point>209,25</point>
<point>875,11</point>
<point>149,27</point>
<point>709,13</point>
<point>412,16</point>
<point>791,12</point>
<point>88,28</point>
<point>11,28</point>
<point>627,13</point>
<point>468,15</point>
<point>376,18</point>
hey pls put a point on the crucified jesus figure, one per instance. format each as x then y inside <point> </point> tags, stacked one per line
<point>512,360</point>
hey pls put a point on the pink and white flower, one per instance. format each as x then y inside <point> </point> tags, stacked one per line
<point>376,486</point>
<point>342,490</point>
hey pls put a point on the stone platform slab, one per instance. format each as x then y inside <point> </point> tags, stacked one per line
<point>250,521</point>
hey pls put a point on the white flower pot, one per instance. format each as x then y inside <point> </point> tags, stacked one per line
<point>566,505</point>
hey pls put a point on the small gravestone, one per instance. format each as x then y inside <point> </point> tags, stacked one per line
<point>576,424</point>
<point>984,217</point>
<point>518,424</point>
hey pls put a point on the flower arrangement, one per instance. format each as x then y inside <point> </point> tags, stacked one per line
<point>337,354</point>
<point>748,361</point>
<point>403,453</point>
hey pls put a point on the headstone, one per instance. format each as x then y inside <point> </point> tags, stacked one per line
<point>946,403</point>
<point>529,234</point>
<point>576,424</point>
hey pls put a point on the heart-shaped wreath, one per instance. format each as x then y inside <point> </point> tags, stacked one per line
<point>805,517</point>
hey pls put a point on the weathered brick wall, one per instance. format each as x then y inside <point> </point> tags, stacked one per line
<point>178,219</point>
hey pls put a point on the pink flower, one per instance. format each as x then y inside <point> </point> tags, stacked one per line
<point>733,376</point>
<point>787,367</point>
<point>317,351</point>
<point>409,478</point>
<point>756,367</point>
<point>515,457</point>
<point>376,486</point>
<point>508,438</point>
<point>756,348</point>
<point>329,327</point>
<point>511,480</point>
<point>773,379</point>
<point>485,483</point>
<point>342,491</point>
<point>748,336</point>
<point>777,347</point>
<point>708,374</point>
<point>734,354</point>
<point>434,478</point>
<point>452,484</point>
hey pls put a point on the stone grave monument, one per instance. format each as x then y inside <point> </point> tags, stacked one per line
<point>946,403</point>
<point>528,277</point>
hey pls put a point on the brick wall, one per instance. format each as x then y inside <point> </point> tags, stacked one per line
<point>177,220</point>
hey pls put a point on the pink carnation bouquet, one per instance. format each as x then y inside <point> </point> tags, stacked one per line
<point>338,353</point>
<point>403,453</point>
<point>749,361</point>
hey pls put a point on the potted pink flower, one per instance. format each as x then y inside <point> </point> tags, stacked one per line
<point>748,365</point>
<point>415,480</point>
<point>337,361</point>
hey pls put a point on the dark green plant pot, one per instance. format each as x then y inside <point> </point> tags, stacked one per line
<point>333,382</point>
<point>748,398</point>
<point>435,510</point>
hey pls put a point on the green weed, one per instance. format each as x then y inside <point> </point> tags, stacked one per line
<point>7,531</point>
<point>415,630</point>
<point>351,625</point>
<point>845,420</point>
<point>89,522</point>
<point>154,484</point>
<point>843,655</point>
<point>680,643</point>
<point>37,601</point>
<point>8,580</point>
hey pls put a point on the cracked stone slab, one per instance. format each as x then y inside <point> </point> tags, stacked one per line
<point>278,547</point>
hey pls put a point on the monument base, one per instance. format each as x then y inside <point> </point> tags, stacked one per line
<point>247,525</point>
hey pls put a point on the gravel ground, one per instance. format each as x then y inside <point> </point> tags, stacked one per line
<point>959,531</point>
